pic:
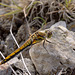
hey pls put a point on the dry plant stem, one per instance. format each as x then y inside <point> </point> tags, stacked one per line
<point>45,47</point>
<point>8,64</point>
<point>31,3</point>
<point>27,22</point>
<point>41,11</point>
<point>33,22</point>
<point>25,16</point>
<point>30,17</point>
<point>60,73</point>
<point>70,17</point>
<point>18,45</point>
<point>64,10</point>
<point>20,53</point>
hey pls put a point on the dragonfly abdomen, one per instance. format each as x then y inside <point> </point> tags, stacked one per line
<point>25,45</point>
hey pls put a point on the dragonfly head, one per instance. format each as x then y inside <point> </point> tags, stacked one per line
<point>48,33</point>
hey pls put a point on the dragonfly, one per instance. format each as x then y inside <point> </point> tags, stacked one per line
<point>36,37</point>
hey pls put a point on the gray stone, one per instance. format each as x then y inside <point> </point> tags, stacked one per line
<point>3,49</point>
<point>60,23</point>
<point>22,33</point>
<point>9,41</point>
<point>71,26</point>
<point>13,60</point>
<point>29,65</point>
<point>6,27</point>
<point>10,44</point>
<point>5,70</point>
<point>60,51</point>
<point>2,43</point>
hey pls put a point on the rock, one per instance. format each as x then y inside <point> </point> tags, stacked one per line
<point>13,60</point>
<point>22,33</point>
<point>6,27</point>
<point>5,70</point>
<point>18,21</point>
<point>71,26</point>
<point>60,23</point>
<point>2,43</point>
<point>3,48</point>
<point>4,30</point>
<point>9,41</point>
<point>29,65</point>
<point>7,47</point>
<point>61,52</point>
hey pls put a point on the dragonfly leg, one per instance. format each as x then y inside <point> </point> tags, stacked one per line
<point>47,41</point>
<point>45,47</point>
<point>73,49</point>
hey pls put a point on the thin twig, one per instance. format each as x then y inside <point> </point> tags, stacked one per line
<point>70,17</point>
<point>27,21</point>
<point>18,45</point>
<point>60,73</point>
<point>20,52</point>
<point>26,15</point>
<point>45,47</point>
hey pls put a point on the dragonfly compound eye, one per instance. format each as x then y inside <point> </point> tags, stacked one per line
<point>49,34</point>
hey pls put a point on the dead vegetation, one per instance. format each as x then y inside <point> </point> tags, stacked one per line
<point>40,13</point>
